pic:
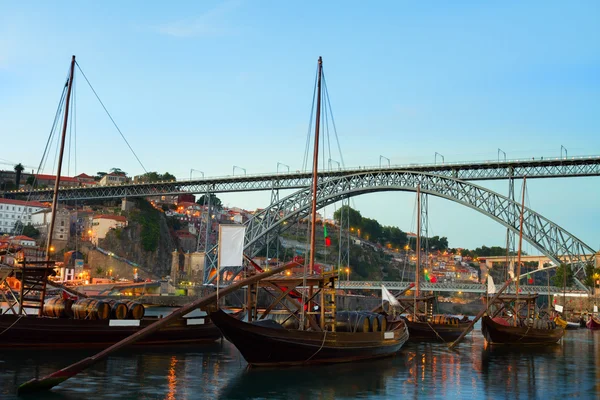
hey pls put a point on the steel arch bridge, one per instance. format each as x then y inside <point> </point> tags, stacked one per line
<point>549,238</point>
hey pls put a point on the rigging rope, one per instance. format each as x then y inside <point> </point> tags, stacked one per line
<point>111,118</point>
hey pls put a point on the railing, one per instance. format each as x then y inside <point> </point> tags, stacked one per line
<point>455,287</point>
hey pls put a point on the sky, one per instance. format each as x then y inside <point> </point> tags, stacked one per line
<point>209,85</point>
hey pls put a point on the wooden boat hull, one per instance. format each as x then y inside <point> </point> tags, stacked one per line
<point>62,332</point>
<point>266,346</point>
<point>423,331</point>
<point>496,333</point>
<point>566,324</point>
<point>593,323</point>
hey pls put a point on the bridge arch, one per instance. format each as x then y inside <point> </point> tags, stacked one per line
<point>546,236</point>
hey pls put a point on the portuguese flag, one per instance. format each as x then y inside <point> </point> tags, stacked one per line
<point>327,238</point>
<point>529,279</point>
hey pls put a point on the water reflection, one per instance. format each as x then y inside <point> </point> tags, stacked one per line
<point>357,380</point>
<point>428,371</point>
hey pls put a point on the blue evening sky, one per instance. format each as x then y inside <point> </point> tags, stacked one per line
<point>207,85</point>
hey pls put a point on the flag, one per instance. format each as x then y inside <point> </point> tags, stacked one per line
<point>231,245</point>
<point>327,238</point>
<point>491,288</point>
<point>529,279</point>
<point>386,295</point>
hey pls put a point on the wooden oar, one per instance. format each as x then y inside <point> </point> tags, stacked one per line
<point>48,382</point>
<point>468,329</point>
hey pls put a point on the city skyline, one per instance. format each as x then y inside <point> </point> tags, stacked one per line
<point>212,85</point>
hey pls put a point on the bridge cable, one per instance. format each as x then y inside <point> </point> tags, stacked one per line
<point>111,118</point>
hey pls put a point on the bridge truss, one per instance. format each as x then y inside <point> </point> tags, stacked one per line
<point>549,168</point>
<point>549,238</point>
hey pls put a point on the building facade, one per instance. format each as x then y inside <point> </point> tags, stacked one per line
<point>101,224</point>
<point>12,211</point>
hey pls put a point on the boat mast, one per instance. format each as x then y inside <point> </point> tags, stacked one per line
<point>313,215</point>
<point>520,241</point>
<point>57,181</point>
<point>418,240</point>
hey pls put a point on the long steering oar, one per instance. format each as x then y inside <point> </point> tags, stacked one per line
<point>56,378</point>
<point>468,329</point>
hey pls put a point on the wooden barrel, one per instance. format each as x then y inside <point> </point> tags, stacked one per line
<point>287,321</point>
<point>351,321</point>
<point>135,310</point>
<point>58,307</point>
<point>118,309</point>
<point>91,309</point>
<point>382,323</point>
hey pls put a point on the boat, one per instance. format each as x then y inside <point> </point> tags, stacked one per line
<point>593,323</point>
<point>566,324</point>
<point>45,328</point>
<point>323,335</point>
<point>422,324</point>
<point>505,324</point>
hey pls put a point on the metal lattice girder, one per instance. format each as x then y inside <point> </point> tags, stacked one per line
<point>549,238</point>
<point>456,287</point>
<point>548,168</point>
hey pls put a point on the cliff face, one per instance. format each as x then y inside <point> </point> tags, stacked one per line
<point>127,243</point>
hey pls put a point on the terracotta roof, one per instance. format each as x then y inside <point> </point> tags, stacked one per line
<point>23,203</point>
<point>21,237</point>
<point>108,216</point>
<point>53,177</point>
<point>84,175</point>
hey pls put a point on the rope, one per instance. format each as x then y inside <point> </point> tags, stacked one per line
<point>434,331</point>
<point>13,324</point>
<point>111,118</point>
<point>316,352</point>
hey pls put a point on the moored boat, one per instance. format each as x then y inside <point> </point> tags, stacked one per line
<point>272,345</point>
<point>324,335</point>
<point>593,323</point>
<point>566,324</point>
<point>498,331</point>
<point>435,328</point>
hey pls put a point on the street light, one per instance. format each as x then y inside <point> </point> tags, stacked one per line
<point>561,150</point>
<point>334,161</point>
<point>191,170</point>
<point>435,157</point>
<point>347,274</point>
<point>243,169</point>
<point>388,160</point>
<point>500,151</point>
<point>285,165</point>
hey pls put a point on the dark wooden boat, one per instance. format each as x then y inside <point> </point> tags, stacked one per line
<point>322,336</point>
<point>273,345</point>
<point>497,332</point>
<point>593,323</point>
<point>34,331</point>
<point>430,331</point>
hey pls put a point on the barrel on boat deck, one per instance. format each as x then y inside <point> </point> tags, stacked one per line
<point>118,309</point>
<point>382,322</point>
<point>91,309</point>
<point>351,321</point>
<point>286,320</point>
<point>58,307</point>
<point>135,310</point>
<point>373,322</point>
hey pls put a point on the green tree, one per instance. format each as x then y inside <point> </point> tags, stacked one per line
<point>99,271</point>
<point>31,181</point>
<point>215,202</point>
<point>559,278</point>
<point>99,175</point>
<point>118,171</point>
<point>31,231</point>
<point>18,170</point>
<point>348,212</point>
<point>591,276</point>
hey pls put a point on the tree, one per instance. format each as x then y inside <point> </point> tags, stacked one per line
<point>99,175</point>
<point>350,213</point>
<point>31,231</point>
<point>155,177</point>
<point>591,276</point>
<point>215,202</point>
<point>31,181</point>
<point>559,278</point>
<point>99,271</point>
<point>118,171</point>
<point>18,169</point>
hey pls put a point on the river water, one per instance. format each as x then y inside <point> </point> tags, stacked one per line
<point>217,371</point>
